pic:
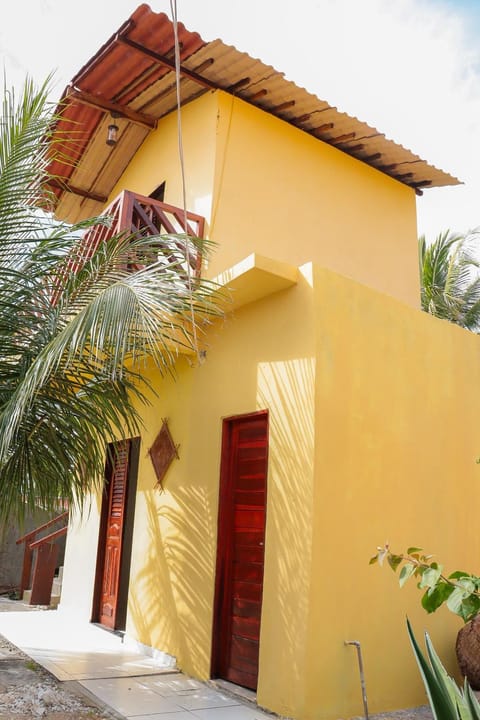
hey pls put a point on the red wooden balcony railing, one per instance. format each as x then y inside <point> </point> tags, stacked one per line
<point>135,215</point>
<point>138,214</point>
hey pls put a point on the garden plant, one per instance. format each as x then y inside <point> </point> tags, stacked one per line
<point>458,590</point>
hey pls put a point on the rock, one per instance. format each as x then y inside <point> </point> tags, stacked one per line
<point>468,652</point>
<point>47,696</point>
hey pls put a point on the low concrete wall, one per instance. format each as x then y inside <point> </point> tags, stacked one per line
<point>11,554</point>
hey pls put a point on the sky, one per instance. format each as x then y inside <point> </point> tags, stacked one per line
<point>410,68</point>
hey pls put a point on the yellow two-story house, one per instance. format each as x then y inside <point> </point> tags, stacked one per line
<point>325,414</point>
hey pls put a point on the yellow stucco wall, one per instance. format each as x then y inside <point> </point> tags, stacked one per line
<point>373,436</point>
<point>174,547</point>
<point>157,159</point>
<point>284,194</point>
<point>266,187</point>
<point>397,437</point>
<point>174,551</point>
<point>373,425</point>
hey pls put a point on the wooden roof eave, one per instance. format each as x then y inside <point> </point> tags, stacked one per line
<point>214,66</point>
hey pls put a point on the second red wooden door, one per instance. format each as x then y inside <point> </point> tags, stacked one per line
<point>117,492</point>
<point>240,554</point>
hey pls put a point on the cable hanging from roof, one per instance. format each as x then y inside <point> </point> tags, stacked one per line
<point>173,9</point>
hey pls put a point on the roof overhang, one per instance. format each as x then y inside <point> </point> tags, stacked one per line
<point>133,77</point>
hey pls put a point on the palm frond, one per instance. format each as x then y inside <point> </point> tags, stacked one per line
<point>76,324</point>
<point>449,278</point>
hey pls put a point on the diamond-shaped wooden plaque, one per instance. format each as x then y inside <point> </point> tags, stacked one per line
<point>162,452</point>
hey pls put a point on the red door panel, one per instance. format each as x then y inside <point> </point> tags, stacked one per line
<point>240,554</point>
<point>117,489</point>
<point>246,553</point>
<point>246,627</point>
<point>246,608</point>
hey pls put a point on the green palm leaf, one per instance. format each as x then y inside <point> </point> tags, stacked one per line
<point>450,280</point>
<point>76,325</point>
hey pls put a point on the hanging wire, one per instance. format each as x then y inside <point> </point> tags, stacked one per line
<point>173,10</point>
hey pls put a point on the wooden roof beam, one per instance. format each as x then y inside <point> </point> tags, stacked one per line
<point>301,118</point>
<point>204,65</point>
<point>322,128</point>
<point>238,85</point>
<point>66,187</point>
<point>85,98</point>
<point>343,138</point>
<point>284,106</point>
<point>163,60</point>
<point>257,95</point>
<point>387,168</point>
<point>421,183</point>
<point>352,148</point>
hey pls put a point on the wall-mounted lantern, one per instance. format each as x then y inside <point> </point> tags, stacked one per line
<point>112,133</point>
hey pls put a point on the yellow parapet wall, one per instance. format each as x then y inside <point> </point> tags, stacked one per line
<point>397,437</point>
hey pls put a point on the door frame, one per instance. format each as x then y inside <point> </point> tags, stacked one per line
<point>127,537</point>
<point>224,549</point>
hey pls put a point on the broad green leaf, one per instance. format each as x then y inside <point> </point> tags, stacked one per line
<point>394,561</point>
<point>467,583</point>
<point>413,550</point>
<point>459,574</point>
<point>405,573</point>
<point>454,602</point>
<point>470,607</point>
<point>434,597</point>
<point>430,576</point>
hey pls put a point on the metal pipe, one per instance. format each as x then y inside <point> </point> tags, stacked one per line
<point>356,643</point>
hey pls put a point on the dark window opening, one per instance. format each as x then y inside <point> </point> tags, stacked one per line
<point>158,193</point>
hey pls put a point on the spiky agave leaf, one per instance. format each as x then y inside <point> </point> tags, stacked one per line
<point>447,700</point>
<point>439,697</point>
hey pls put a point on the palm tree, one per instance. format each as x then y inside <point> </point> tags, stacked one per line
<point>76,325</point>
<point>450,278</point>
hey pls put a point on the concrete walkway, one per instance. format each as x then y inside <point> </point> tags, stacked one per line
<point>132,684</point>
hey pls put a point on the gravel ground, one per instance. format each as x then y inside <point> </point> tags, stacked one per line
<point>28,691</point>
<point>422,712</point>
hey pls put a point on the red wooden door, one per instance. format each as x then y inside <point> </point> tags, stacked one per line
<point>117,475</point>
<point>240,553</point>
